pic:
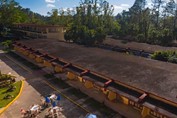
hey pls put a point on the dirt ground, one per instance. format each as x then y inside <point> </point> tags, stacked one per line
<point>150,75</point>
<point>135,45</point>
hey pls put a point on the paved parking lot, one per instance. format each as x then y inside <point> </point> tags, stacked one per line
<point>37,86</point>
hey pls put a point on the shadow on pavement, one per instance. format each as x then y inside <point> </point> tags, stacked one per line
<point>70,109</point>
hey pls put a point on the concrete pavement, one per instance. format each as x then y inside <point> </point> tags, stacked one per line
<point>35,87</point>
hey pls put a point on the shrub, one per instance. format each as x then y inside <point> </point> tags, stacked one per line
<point>84,35</point>
<point>172,59</point>
<point>8,96</point>
<point>7,44</point>
<point>160,37</point>
<point>6,79</point>
<point>169,56</point>
<point>140,38</point>
<point>11,88</point>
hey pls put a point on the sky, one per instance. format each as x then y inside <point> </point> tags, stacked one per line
<point>44,6</point>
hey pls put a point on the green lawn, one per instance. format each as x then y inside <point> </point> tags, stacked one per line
<point>4,102</point>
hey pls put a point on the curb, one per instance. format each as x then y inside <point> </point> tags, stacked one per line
<point>3,109</point>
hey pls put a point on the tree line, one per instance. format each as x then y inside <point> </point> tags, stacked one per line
<point>88,23</point>
<point>154,25</point>
<point>91,21</point>
<point>11,12</point>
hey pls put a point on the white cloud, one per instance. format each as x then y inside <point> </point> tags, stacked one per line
<point>50,1</point>
<point>71,9</point>
<point>120,8</point>
<point>124,5</point>
<point>50,5</point>
<point>149,4</point>
<point>65,9</point>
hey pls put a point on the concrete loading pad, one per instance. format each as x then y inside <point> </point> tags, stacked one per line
<point>145,66</point>
<point>150,75</point>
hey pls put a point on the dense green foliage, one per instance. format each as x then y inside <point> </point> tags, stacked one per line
<point>169,56</point>
<point>155,26</point>
<point>11,12</point>
<point>60,17</point>
<point>7,95</point>
<point>7,44</point>
<point>6,80</point>
<point>91,22</point>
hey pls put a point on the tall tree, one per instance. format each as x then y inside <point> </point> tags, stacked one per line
<point>145,22</point>
<point>8,11</point>
<point>92,21</point>
<point>54,18</point>
<point>136,12</point>
<point>157,4</point>
<point>171,8</point>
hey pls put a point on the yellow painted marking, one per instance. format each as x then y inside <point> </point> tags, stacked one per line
<point>3,109</point>
<point>50,85</point>
<point>66,96</point>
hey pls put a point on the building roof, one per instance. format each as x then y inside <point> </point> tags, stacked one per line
<point>38,25</point>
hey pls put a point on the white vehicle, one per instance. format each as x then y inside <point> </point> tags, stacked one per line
<point>89,115</point>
